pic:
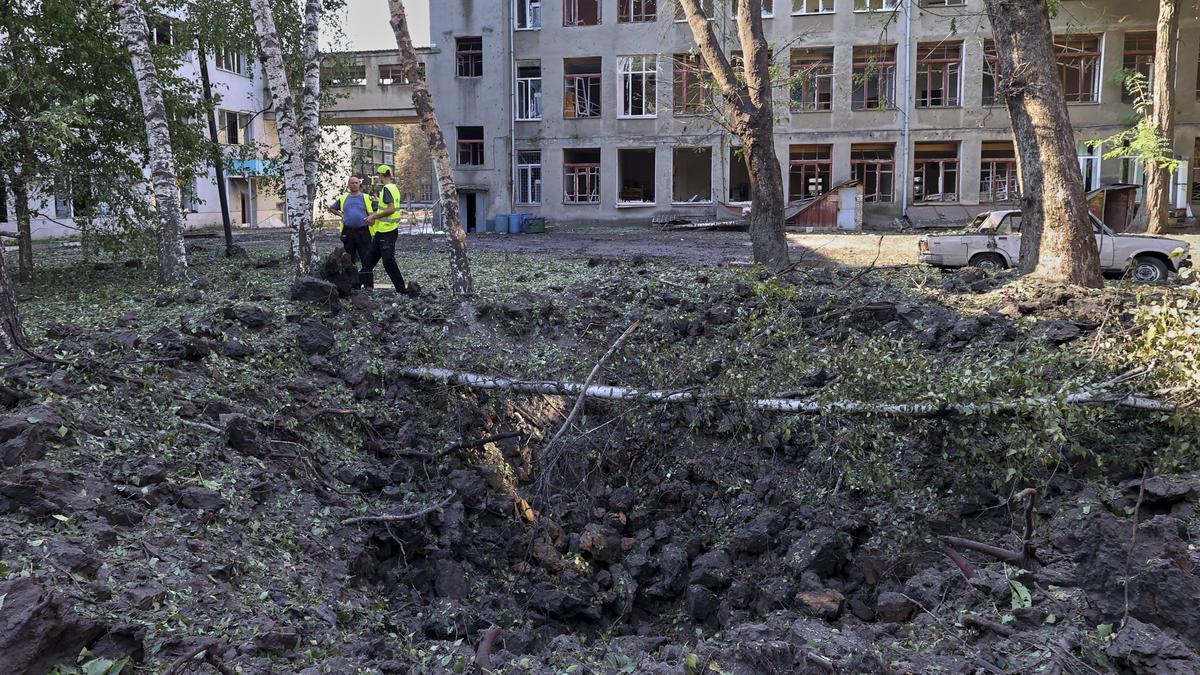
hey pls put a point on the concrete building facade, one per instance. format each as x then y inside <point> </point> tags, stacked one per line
<point>586,110</point>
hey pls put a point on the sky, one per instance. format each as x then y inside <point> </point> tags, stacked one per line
<point>367,27</point>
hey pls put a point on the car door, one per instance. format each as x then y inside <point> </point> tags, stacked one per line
<point>1107,245</point>
<point>1008,237</point>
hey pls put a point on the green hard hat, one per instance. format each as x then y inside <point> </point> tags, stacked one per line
<point>384,168</point>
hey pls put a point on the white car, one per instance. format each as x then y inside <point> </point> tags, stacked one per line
<point>995,244</point>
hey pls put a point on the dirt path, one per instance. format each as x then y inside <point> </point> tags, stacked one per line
<point>713,247</point>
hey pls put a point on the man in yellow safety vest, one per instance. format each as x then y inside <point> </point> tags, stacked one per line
<point>385,220</point>
<point>354,208</point>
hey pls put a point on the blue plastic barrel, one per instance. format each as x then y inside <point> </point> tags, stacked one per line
<point>515,224</point>
<point>503,223</point>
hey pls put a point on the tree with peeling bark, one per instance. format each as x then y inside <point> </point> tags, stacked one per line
<point>1156,203</point>
<point>461,280</point>
<point>172,258</point>
<point>12,332</point>
<point>311,98</point>
<point>292,145</point>
<point>1045,142</point>
<point>752,120</point>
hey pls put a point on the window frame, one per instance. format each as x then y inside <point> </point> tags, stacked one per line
<point>529,185</point>
<point>998,170</point>
<point>814,161</point>
<point>626,11</point>
<point>530,97</point>
<point>862,68</point>
<point>626,85</point>
<point>241,62</point>
<point>944,164</point>
<point>831,9</point>
<point>936,65</point>
<point>593,82</point>
<point>821,71</point>
<point>1063,44</point>
<point>709,7</point>
<point>1140,57</point>
<point>688,78</point>
<point>861,166</point>
<point>468,60</point>
<point>589,172</point>
<point>474,147</point>
<point>574,4</point>
<point>530,6</point>
<point>884,5</point>
<point>990,69</point>
<point>691,148</point>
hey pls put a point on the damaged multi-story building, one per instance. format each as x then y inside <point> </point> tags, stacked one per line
<point>600,110</point>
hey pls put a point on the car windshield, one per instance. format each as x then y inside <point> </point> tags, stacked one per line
<point>979,220</point>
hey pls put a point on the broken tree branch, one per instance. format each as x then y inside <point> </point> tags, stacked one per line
<point>976,621</point>
<point>395,518</point>
<point>804,407</point>
<point>207,648</point>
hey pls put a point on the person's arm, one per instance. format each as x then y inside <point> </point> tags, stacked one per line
<point>388,206</point>
<point>332,208</point>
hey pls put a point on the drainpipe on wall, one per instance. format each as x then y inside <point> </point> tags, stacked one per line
<point>512,105</point>
<point>907,109</point>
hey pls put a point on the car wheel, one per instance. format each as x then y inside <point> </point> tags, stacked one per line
<point>1149,270</point>
<point>992,262</point>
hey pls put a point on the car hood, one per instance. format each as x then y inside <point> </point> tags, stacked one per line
<point>1178,242</point>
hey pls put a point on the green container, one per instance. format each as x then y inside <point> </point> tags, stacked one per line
<point>535,225</point>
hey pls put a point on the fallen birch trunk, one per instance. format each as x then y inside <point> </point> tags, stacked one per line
<point>783,405</point>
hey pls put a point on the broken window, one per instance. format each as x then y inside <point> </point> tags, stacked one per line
<point>390,74</point>
<point>939,71</point>
<point>1088,153</point>
<point>470,146</point>
<point>1079,67</point>
<point>1139,58</point>
<point>812,6</point>
<point>637,11</point>
<point>581,87</point>
<point>468,52</point>
<point>739,176</point>
<point>529,90</point>
<point>874,166</point>
<point>991,74</point>
<point>874,77</point>
<point>638,85</point>
<point>162,30</point>
<point>706,6</point>
<point>768,8</point>
<point>231,61</point>
<point>691,175</point>
<point>691,85</point>
<point>529,177</point>
<point>873,5</point>
<point>998,172</point>
<point>809,167</point>
<point>581,176</point>
<point>935,172</point>
<point>812,79</point>
<point>635,172</point>
<point>234,127</point>
<point>529,14</point>
<point>581,12</point>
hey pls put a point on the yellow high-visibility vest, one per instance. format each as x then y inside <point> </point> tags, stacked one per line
<point>389,223</point>
<point>366,200</point>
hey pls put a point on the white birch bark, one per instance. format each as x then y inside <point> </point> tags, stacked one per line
<point>291,137</point>
<point>172,258</point>
<point>311,105</point>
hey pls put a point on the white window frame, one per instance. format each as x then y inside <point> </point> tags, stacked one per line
<point>824,7</point>
<point>710,12</point>
<point>533,14</point>
<point>527,182</point>
<point>884,5</point>
<point>627,68</point>
<point>1084,157</point>
<point>529,94</point>
<point>241,62</point>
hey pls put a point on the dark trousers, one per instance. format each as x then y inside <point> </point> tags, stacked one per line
<point>383,247</point>
<point>356,241</point>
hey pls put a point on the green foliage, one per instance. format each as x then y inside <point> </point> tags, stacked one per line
<point>1143,139</point>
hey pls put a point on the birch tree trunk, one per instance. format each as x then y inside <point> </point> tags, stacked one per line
<point>291,138</point>
<point>1030,81</point>
<point>172,258</point>
<point>1157,199</point>
<point>461,281</point>
<point>311,104</point>
<point>753,122</point>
